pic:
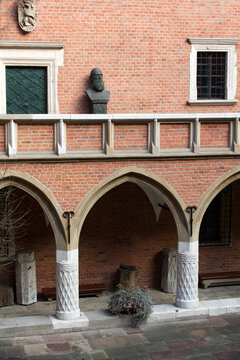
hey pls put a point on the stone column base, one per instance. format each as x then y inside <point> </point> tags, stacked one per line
<point>64,315</point>
<point>187,304</point>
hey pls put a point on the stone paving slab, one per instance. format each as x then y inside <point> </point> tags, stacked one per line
<point>27,340</point>
<point>59,348</point>
<point>117,341</point>
<point>72,336</point>
<point>36,349</point>
<point>214,338</point>
<point>185,335</point>
<point>80,345</point>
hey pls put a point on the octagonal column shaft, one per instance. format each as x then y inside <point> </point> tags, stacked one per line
<point>67,285</point>
<point>187,275</point>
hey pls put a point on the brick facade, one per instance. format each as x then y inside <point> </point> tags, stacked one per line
<point>35,138</point>
<point>142,49</point>
<point>215,135</point>
<point>84,137</point>
<point>174,136</point>
<point>140,46</point>
<point>130,137</point>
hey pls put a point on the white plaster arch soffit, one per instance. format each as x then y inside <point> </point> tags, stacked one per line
<point>212,192</point>
<point>150,183</point>
<point>42,195</point>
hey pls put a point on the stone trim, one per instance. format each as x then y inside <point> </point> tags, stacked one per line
<point>117,118</point>
<point>31,44</point>
<point>49,55</point>
<point>211,44</point>
<point>43,196</point>
<point>213,41</point>
<point>212,102</point>
<point>153,122</point>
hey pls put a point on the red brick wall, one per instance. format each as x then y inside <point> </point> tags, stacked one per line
<point>130,137</point>
<point>70,182</point>
<point>140,46</point>
<point>122,229</point>
<point>174,136</point>
<point>35,137</point>
<point>215,135</point>
<point>84,137</point>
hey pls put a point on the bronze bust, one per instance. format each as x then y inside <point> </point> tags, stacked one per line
<point>97,94</point>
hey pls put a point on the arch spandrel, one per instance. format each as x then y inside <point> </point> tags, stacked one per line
<point>141,177</point>
<point>43,196</point>
<point>211,193</point>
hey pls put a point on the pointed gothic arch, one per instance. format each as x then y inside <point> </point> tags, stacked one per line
<point>43,196</point>
<point>142,177</point>
<point>211,193</point>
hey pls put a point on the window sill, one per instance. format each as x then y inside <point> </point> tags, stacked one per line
<point>212,102</point>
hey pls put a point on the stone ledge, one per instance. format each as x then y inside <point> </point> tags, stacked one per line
<point>213,41</point>
<point>102,319</point>
<point>223,102</point>
<point>31,44</point>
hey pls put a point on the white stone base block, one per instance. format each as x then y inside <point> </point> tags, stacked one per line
<point>64,315</point>
<point>80,322</point>
<point>187,304</point>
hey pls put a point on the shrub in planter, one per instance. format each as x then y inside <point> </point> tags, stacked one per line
<point>134,301</point>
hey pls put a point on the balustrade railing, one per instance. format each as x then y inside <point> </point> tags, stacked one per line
<point>118,135</point>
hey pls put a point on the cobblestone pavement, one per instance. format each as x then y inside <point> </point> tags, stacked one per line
<point>205,339</point>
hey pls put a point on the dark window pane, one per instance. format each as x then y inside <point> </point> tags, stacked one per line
<point>211,75</point>
<point>26,90</point>
<point>216,227</point>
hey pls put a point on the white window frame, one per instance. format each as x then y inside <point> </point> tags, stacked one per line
<point>45,54</point>
<point>214,45</point>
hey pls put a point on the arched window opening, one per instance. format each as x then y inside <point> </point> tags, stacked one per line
<point>216,227</point>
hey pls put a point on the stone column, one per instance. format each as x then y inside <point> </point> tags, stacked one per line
<point>67,287</point>
<point>187,278</point>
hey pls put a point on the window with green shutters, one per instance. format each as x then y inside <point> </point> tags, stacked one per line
<point>26,90</point>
